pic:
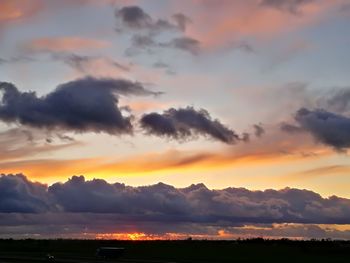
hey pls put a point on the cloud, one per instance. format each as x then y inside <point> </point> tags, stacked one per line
<point>290,128</point>
<point>182,20</point>
<point>242,46</point>
<point>218,23</point>
<point>83,105</point>
<point>148,43</point>
<point>276,147</point>
<point>184,43</point>
<point>185,123</point>
<point>199,204</point>
<point>291,6</point>
<point>17,143</point>
<point>164,66</point>
<point>327,127</point>
<point>286,230</point>
<point>18,10</point>
<point>166,204</point>
<point>160,65</point>
<point>14,10</point>
<point>141,43</point>
<point>65,44</point>
<point>83,62</point>
<point>16,59</point>
<point>324,114</point>
<point>18,194</point>
<point>97,66</point>
<point>258,130</point>
<point>135,18</point>
<point>329,171</point>
<point>337,100</point>
<point>263,152</point>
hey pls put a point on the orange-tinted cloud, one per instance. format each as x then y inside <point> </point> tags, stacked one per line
<point>17,143</point>
<point>47,170</point>
<point>145,106</point>
<point>11,10</point>
<point>66,44</point>
<point>330,170</point>
<point>168,162</point>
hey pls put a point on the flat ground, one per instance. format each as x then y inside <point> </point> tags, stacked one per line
<point>255,250</point>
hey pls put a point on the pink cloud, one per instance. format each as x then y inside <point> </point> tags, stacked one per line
<point>12,10</point>
<point>219,23</point>
<point>66,44</point>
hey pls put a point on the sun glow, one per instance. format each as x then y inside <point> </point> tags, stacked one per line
<point>128,236</point>
<point>141,236</point>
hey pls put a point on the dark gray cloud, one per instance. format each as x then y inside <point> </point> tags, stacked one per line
<point>185,123</point>
<point>93,207</point>
<point>167,68</point>
<point>149,44</point>
<point>258,130</point>
<point>135,18</point>
<point>329,128</point>
<point>169,205</point>
<point>197,203</point>
<point>18,194</point>
<point>83,63</point>
<point>292,6</point>
<point>83,105</point>
<point>324,114</point>
<point>184,43</point>
<point>182,20</point>
<point>160,64</point>
<point>290,128</point>
<point>245,137</point>
<point>16,59</point>
<point>337,100</point>
<point>243,46</point>
<point>292,231</point>
<point>141,42</point>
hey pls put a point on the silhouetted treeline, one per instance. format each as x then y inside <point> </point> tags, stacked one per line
<point>247,250</point>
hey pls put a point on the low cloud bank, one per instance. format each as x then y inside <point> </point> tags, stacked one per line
<point>167,204</point>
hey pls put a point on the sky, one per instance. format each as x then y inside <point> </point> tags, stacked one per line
<point>163,119</point>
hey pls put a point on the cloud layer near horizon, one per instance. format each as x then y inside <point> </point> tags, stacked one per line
<point>167,204</point>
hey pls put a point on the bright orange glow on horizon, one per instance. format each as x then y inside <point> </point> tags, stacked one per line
<point>140,236</point>
<point>274,231</point>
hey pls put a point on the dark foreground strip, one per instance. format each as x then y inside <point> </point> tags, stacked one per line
<point>40,259</point>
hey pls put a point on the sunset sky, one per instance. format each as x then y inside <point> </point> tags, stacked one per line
<point>158,119</point>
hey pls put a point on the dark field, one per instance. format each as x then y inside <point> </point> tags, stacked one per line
<point>254,250</point>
